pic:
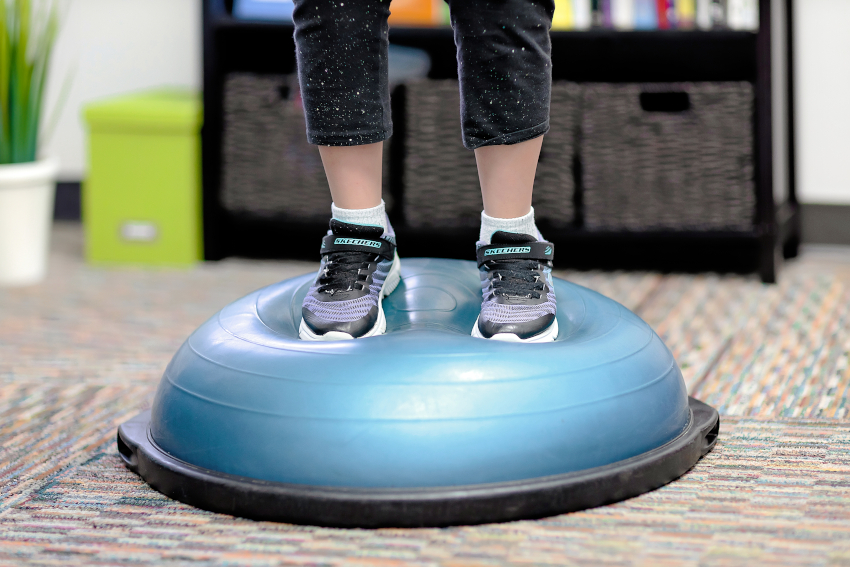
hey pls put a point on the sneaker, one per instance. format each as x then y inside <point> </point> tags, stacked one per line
<point>360,267</point>
<point>516,282</point>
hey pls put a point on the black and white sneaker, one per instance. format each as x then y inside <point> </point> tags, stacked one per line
<point>360,267</point>
<point>518,303</point>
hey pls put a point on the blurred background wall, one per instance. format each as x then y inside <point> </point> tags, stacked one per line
<point>116,46</point>
<point>113,47</point>
<point>822,58</point>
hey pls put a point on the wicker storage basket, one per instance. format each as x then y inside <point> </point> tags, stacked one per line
<point>269,169</point>
<point>668,157</point>
<point>441,188</point>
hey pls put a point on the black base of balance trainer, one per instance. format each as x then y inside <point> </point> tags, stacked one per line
<point>417,507</point>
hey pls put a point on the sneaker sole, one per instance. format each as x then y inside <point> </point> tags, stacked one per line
<point>380,326</point>
<point>547,336</point>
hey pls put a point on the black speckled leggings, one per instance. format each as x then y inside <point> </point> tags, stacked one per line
<point>504,65</point>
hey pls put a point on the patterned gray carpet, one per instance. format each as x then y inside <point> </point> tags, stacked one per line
<point>84,351</point>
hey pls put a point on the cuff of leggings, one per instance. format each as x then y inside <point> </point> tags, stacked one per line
<point>359,139</point>
<point>508,139</point>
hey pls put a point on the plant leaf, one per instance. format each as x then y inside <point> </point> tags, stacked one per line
<point>26,46</point>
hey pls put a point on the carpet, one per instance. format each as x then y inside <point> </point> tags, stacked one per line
<point>84,351</point>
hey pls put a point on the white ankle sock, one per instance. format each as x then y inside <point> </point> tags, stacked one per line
<point>520,225</point>
<point>376,216</point>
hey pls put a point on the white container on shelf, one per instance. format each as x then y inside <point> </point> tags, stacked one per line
<point>582,14</point>
<point>742,14</point>
<point>623,14</point>
<point>26,213</point>
<point>704,17</point>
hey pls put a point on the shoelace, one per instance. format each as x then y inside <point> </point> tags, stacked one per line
<point>516,278</point>
<point>342,272</point>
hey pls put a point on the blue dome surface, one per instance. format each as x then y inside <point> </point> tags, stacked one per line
<point>425,405</point>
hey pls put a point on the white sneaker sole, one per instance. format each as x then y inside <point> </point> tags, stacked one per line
<point>380,326</point>
<point>547,336</point>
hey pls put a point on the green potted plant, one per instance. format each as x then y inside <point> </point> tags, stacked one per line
<point>27,180</point>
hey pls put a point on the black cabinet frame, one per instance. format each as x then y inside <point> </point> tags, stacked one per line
<point>587,56</point>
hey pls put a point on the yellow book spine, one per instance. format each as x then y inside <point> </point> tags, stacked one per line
<point>686,11</point>
<point>563,19</point>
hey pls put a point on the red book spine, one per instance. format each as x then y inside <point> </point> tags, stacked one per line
<point>663,21</point>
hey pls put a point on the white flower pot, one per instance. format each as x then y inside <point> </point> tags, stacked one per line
<point>26,215</point>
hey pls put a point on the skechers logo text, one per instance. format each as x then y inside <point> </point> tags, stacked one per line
<point>358,242</point>
<point>514,250</point>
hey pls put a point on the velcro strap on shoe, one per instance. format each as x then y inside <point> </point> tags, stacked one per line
<point>333,243</point>
<point>520,251</point>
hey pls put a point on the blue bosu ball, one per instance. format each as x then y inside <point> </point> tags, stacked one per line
<point>423,426</point>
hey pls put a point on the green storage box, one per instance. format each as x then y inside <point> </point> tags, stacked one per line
<point>142,197</point>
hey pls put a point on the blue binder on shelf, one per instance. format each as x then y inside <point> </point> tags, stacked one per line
<point>646,14</point>
<point>268,10</point>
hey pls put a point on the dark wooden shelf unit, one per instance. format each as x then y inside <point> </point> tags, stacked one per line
<point>590,56</point>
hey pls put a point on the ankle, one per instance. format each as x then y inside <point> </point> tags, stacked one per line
<point>519,225</point>
<point>374,216</point>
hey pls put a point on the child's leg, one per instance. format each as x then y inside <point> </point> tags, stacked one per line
<point>506,174</point>
<point>341,49</point>
<point>354,174</point>
<point>505,72</point>
<point>505,69</point>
